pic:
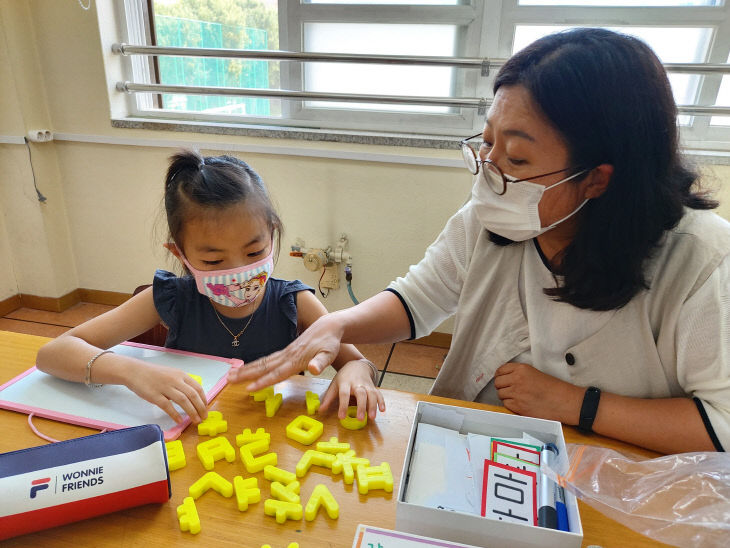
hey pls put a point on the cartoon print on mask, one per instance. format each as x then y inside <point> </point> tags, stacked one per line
<point>240,294</point>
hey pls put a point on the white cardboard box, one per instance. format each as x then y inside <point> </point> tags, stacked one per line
<point>474,529</point>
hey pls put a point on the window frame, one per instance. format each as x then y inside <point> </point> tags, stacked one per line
<point>489,28</point>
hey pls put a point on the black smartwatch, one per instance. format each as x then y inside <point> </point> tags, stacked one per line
<point>589,409</point>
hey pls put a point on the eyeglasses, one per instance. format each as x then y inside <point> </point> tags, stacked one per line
<point>494,177</point>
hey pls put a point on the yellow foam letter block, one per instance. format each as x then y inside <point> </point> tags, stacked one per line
<point>346,463</point>
<point>293,545</point>
<point>213,424</point>
<point>247,436</point>
<point>289,493</point>
<point>251,461</point>
<point>272,473</point>
<point>211,480</point>
<point>374,477</point>
<point>247,491</point>
<point>175,455</point>
<point>321,496</point>
<point>304,429</point>
<point>283,510</point>
<point>197,378</point>
<point>215,449</point>
<point>187,516</point>
<point>261,395</point>
<point>312,457</point>
<point>332,446</point>
<point>273,404</point>
<point>312,401</point>
<point>351,421</point>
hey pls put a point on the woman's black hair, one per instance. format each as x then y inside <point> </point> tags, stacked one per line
<point>197,185</point>
<point>609,96</point>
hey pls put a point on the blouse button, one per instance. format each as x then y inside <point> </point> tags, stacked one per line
<point>570,359</point>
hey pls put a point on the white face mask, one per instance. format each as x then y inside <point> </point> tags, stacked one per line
<point>514,214</point>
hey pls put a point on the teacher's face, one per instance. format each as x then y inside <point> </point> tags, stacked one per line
<point>521,141</point>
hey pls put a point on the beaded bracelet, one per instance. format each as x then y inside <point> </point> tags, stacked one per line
<point>87,380</point>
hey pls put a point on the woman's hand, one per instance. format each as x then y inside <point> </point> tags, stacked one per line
<point>526,391</point>
<point>313,350</point>
<point>354,380</point>
<point>163,386</point>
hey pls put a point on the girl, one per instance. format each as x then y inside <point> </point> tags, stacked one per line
<point>224,230</point>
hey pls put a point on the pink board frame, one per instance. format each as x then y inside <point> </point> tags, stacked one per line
<point>170,434</point>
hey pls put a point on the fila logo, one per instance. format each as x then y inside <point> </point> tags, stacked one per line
<point>38,485</point>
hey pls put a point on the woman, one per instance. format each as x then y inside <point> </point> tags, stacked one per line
<point>589,285</point>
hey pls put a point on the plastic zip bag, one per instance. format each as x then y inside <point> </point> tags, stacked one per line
<point>681,499</point>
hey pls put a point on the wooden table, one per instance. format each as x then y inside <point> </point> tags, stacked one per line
<point>222,524</point>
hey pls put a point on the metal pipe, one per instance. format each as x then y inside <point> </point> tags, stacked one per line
<point>698,110</point>
<point>277,55</point>
<point>463,102</point>
<point>460,62</point>
<point>467,102</point>
<point>697,68</point>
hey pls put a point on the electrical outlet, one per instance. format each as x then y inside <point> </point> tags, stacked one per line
<point>40,135</point>
<point>331,278</point>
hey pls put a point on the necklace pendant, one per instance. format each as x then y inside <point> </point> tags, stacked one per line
<point>234,342</point>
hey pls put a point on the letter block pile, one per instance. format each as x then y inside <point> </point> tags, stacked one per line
<point>285,502</point>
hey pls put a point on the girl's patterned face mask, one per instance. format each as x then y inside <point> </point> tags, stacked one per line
<point>236,286</point>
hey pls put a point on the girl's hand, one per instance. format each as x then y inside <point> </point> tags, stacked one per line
<point>163,386</point>
<point>526,391</point>
<point>354,379</point>
<point>313,350</point>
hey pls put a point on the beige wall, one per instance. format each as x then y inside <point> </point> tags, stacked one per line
<point>111,193</point>
<point>97,229</point>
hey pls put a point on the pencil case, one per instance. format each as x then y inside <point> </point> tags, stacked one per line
<point>50,485</point>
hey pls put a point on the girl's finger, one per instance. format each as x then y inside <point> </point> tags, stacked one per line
<point>361,394</point>
<point>344,401</point>
<point>329,395</point>
<point>183,400</point>
<point>166,405</point>
<point>381,401</point>
<point>197,397</point>
<point>372,404</point>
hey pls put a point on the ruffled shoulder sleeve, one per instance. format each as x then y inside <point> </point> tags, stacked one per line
<point>287,297</point>
<point>167,292</point>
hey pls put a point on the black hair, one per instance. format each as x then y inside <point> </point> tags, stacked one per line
<point>608,95</point>
<point>197,185</point>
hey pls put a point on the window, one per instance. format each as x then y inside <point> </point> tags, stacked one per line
<point>679,31</point>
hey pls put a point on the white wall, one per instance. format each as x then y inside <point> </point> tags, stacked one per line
<point>97,229</point>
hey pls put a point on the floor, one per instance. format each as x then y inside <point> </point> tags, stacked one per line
<point>412,367</point>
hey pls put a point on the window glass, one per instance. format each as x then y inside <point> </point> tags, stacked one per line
<point>621,3</point>
<point>238,24</point>
<point>391,2</point>
<point>723,100</point>
<point>672,45</point>
<point>379,39</point>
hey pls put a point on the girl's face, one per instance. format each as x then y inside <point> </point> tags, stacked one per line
<point>226,238</point>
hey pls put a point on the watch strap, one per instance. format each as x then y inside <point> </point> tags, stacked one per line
<point>589,409</point>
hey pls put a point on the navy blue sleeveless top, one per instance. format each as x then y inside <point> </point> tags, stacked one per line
<point>193,325</point>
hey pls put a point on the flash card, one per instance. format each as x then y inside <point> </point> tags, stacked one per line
<point>509,494</point>
<point>524,452</point>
